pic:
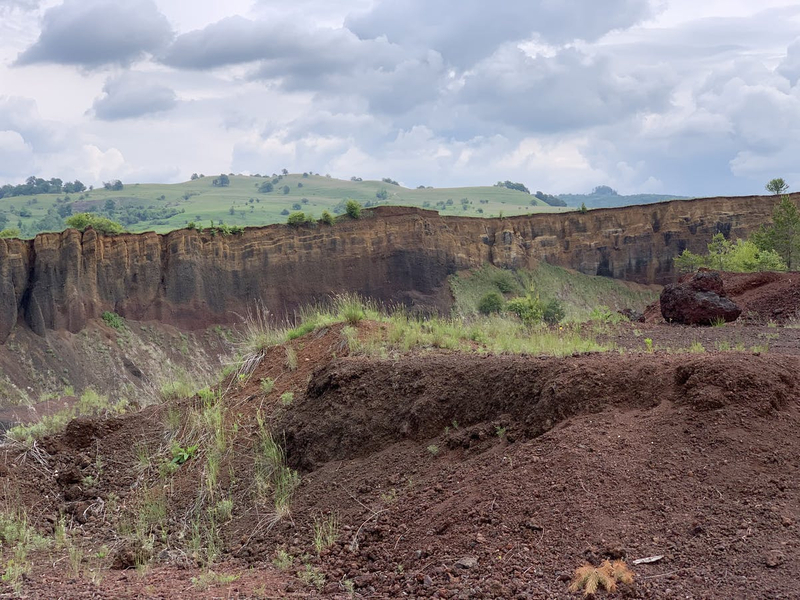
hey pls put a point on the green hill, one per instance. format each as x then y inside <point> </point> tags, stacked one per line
<point>164,207</point>
<point>605,197</point>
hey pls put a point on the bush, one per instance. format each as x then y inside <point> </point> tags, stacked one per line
<point>298,218</point>
<point>113,320</point>
<point>529,309</point>
<point>326,218</point>
<point>10,232</point>
<point>353,209</point>
<point>83,221</point>
<point>505,282</point>
<point>553,312</point>
<point>491,303</point>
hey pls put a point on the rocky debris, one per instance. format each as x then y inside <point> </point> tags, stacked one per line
<point>634,316</point>
<point>699,301</point>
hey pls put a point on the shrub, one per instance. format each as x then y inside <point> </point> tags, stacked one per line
<point>113,320</point>
<point>298,218</point>
<point>529,308</point>
<point>326,218</point>
<point>553,312</point>
<point>504,282</point>
<point>491,303</point>
<point>83,221</point>
<point>10,232</point>
<point>353,209</point>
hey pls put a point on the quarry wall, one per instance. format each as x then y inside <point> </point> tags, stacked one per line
<point>395,254</point>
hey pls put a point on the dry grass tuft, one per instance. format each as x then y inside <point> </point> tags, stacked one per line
<point>589,579</point>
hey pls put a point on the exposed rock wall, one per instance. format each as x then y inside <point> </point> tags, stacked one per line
<point>403,255</point>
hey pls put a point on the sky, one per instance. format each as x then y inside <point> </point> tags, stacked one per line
<point>647,96</point>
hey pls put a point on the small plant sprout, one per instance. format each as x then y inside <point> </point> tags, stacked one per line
<point>433,449</point>
<point>267,384</point>
<point>325,532</point>
<point>648,344</point>
<point>287,398</point>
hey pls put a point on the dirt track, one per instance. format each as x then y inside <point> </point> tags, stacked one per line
<point>482,477</point>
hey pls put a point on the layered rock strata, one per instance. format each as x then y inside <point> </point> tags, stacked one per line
<point>395,254</point>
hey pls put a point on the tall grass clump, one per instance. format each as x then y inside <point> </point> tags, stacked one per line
<point>274,480</point>
<point>257,334</point>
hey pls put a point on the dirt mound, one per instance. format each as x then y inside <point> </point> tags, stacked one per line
<point>762,297</point>
<point>447,475</point>
<point>355,406</point>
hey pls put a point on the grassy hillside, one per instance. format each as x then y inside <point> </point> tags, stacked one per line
<point>579,294</point>
<point>164,207</point>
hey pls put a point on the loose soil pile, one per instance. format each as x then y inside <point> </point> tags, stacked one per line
<point>462,476</point>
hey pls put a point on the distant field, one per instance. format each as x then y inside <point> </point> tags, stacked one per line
<point>240,203</point>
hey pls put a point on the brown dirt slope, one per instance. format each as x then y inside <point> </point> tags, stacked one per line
<point>461,476</point>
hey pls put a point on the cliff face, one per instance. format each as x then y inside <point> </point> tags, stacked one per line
<point>401,255</point>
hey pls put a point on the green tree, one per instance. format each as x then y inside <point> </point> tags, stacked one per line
<point>326,218</point>
<point>777,186</point>
<point>221,181</point>
<point>266,187</point>
<point>783,236</point>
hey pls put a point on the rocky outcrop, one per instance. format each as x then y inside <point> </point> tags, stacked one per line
<point>395,254</point>
<point>700,300</point>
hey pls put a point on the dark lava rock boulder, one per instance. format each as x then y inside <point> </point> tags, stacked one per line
<point>700,300</point>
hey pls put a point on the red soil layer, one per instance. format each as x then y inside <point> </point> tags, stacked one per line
<point>463,476</point>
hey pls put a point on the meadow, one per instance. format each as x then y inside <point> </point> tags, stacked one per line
<point>241,203</point>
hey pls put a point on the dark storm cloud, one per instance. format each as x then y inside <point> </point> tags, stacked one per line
<point>472,29</point>
<point>91,33</point>
<point>132,95</point>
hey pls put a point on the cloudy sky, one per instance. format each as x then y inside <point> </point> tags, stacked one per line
<point>673,96</point>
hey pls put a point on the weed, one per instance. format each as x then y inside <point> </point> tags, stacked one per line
<point>500,431</point>
<point>723,345</point>
<point>209,578</point>
<point>350,307</point>
<point>325,532</point>
<point>648,344</point>
<point>589,579</point>
<point>433,449</point>
<point>718,322</point>
<point>181,454</point>
<point>312,576</point>
<point>267,384</point>
<point>287,398</point>
<point>177,389</point>
<point>272,476</point>
<point>223,510</point>
<point>283,560</point>
<point>291,358</point>
<point>697,348</point>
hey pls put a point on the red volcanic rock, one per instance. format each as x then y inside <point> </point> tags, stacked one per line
<point>699,301</point>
